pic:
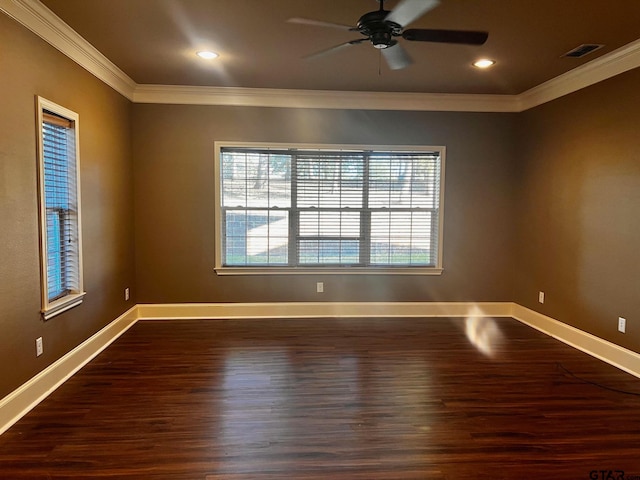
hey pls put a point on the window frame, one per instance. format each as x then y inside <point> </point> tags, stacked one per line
<point>73,296</point>
<point>221,269</point>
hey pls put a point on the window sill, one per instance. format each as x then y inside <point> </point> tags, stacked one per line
<point>62,305</point>
<point>327,271</point>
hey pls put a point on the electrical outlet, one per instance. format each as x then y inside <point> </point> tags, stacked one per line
<point>126,293</point>
<point>320,287</point>
<point>39,347</point>
<point>622,324</point>
<point>541,297</point>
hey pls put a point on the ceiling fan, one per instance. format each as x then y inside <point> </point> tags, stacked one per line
<point>381,27</point>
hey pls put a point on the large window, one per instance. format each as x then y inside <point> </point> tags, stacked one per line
<point>297,208</point>
<point>60,242</point>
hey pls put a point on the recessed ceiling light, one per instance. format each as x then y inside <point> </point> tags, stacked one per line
<point>207,55</point>
<point>484,63</point>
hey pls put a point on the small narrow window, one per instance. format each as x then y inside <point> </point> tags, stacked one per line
<point>59,186</point>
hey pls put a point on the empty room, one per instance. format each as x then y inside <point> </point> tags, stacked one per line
<point>294,239</point>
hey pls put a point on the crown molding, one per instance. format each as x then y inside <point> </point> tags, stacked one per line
<point>48,26</point>
<point>266,97</point>
<point>614,63</point>
<point>44,23</point>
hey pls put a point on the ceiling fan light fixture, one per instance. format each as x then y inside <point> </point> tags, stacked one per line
<point>484,63</point>
<point>382,39</point>
<point>207,55</point>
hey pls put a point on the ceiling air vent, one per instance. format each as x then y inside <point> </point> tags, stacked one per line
<point>583,50</point>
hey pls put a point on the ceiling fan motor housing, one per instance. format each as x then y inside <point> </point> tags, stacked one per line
<point>379,31</point>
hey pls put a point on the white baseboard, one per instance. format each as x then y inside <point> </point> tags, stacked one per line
<point>323,310</point>
<point>620,357</point>
<point>19,402</point>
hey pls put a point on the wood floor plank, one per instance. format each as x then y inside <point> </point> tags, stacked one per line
<point>332,398</point>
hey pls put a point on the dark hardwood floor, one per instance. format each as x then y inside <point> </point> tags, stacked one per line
<point>323,399</point>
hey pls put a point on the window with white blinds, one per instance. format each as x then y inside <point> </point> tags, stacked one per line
<point>296,207</point>
<point>59,209</point>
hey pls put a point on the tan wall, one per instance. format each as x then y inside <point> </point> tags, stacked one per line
<point>174,195</point>
<point>30,67</point>
<point>579,229</point>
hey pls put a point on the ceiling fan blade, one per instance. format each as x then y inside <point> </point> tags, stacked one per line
<point>335,48</point>
<point>320,23</point>
<point>445,36</point>
<point>396,57</point>
<point>409,10</point>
